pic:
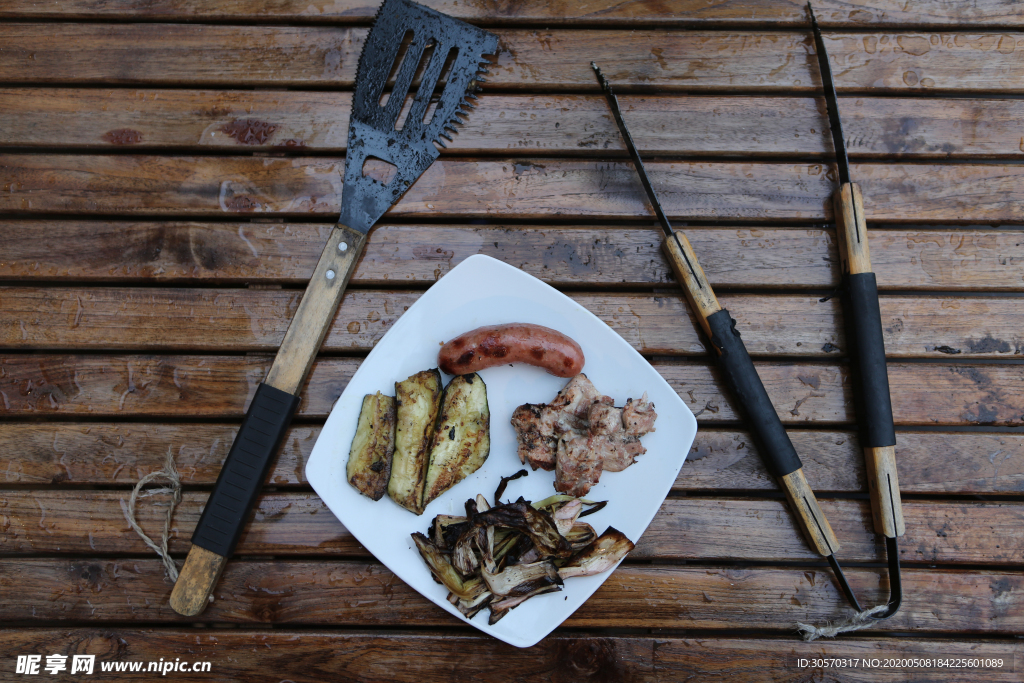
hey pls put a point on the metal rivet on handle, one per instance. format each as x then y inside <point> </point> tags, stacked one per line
<point>330,274</point>
<point>343,246</point>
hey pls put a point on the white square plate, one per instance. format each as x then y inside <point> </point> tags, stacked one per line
<point>484,291</point>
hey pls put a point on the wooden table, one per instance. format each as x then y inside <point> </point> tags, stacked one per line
<point>171,170</point>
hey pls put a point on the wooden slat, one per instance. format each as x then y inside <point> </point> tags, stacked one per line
<point>220,387</point>
<point>296,56</point>
<point>192,119</point>
<point>107,453</point>
<point>195,253</point>
<point>564,657</point>
<point>833,461</point>
<point>112,453</point>
<point>176,54</point>
<point>744,529</point>
<point>365,594</point>
<point>301,187</point>
<point>723,529</point>
<point>189,120</point>
<point>235,320</point>
<point>286,524</point>
<point>989,13</point>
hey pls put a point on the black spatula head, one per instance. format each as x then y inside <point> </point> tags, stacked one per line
<point>407,43</point>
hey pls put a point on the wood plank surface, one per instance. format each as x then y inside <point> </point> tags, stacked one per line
<point>297,56</point>
<point>836,13</point>
<point>241,253</point>
<point>113,453</point>
<point>130,334</point>
<point>576,125</point>
<point>302,187</point>
<point>564,657</point>
<point>723,529</point>
<point>358,593</point>
<point>234,320</point>
<point>221,386</point>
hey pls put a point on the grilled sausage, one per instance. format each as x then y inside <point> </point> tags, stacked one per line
<point>493,345</point>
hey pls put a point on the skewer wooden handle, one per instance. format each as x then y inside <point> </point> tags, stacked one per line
<point>884,488</point>
<point>238,486</point>
<point>801,499</point>
<point>867,351</point>
<point>851,229</point>
<point>691,276</point>
<point>744,384</point>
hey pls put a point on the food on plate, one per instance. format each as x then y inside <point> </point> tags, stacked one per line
<point>504,482</point>
<point>432,439</point>
<point>369,460</point>
<point>498,557</point>
<point>462,440</point>
<point>581,433</point>
<point>418,402</point>
<point>493,345</point>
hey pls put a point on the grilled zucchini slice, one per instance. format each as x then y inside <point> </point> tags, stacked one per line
<point>462,440</point>
<point>369,460</point>
<point>418,401</point>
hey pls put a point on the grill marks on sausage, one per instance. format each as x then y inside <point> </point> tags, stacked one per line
<point>493,345</point>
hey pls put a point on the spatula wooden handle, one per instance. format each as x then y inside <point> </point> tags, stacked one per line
<point>316,310</point>
<point>238,486</point>
<point>867,351</point>
<point>744,384</point>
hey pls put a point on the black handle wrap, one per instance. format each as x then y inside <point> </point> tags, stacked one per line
<point>245,469</point>
<point>867,353</point>
<point>743,381</point>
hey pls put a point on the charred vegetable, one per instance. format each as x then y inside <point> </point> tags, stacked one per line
<point>462,439</point>
<point>499,556</point>
<point>445,572</point>
<point>418,403</point>
<point>369,460</point>
<point>599,556</point>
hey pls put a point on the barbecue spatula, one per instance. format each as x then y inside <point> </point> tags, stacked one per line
<point>417,72</point>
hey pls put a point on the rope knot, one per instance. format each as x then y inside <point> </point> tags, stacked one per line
<point>854,623</point>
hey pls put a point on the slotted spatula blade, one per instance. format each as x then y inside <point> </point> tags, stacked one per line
<point>444,55</point>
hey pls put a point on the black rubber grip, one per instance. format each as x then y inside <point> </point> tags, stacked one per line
<point>245,469</point>
<point>867,353</point>
<point>743,381</point>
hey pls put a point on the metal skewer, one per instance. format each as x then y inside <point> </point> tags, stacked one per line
<point>864,337</point>
<point>738,370</point>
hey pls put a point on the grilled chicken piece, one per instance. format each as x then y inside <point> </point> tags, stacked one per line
<point>638,417</point>
<point>618,452</point>
<point>535,447</point>
<point>539,427</point>
<point>578,466</point>
<point>581,433</point>
<point>616,432</point>
<point>569,411</point>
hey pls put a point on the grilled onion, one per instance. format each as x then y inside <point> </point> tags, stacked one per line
<point>499,556</point>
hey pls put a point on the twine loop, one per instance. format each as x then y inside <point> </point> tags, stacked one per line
<point>856,622</point>
<point>170,474</point>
